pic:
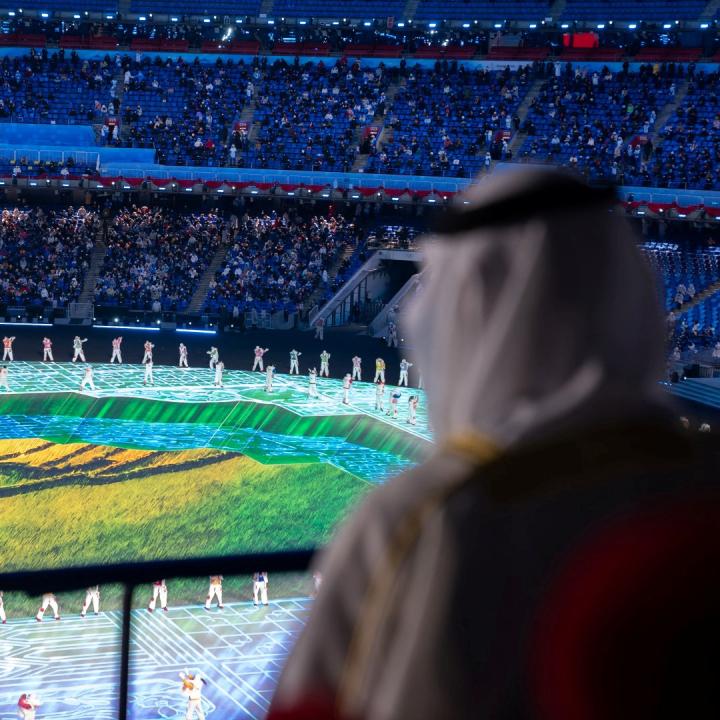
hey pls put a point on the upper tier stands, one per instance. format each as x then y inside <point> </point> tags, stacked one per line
<point>470,10</point>
<point>33,89</point>
<point>597,121</point>
<point>690,151</point>
<point>444,121</point>
<point>44,255</point>
<point>637,10</point>
<point>348,8</point>
<point>187,7</point>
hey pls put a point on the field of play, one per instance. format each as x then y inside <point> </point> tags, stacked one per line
<point>181,468</point>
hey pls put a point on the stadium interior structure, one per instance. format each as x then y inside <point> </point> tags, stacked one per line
<point>257,174</point>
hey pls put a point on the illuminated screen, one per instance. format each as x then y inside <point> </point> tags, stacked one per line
<point>181,468</point>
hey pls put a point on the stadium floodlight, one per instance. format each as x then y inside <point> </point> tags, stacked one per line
<point>271,22</point>
<point>565,26</point>
<point>66,184</point>
<point>253,192</point>
<point>142,18</point>
<point>432,200</point>
<point>432,25</point>
<point>11,13</point>
<point>188,189</point>
<point>44,14</point>
<point>401,24</point>
<point>367,23</point>
<point>355,196</point>
<point>601,26</point>
<point>174,19</point>
<point>532,26</point>
<point>196,332</point>
<point>667,26</point>
<point>302,22</point>
<point>33,183</point>
<point>291,194</point>
<point>238,21</point>
<point>632,26</point>
<point>704,26</point>
<point>466,25</point>
<point>325,195</point>
<point>110,16</point>
<point>206,20</point>
<point>76,16</point>
<point>336,22</point>
<point>497,25</point>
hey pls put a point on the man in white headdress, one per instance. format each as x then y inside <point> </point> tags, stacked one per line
<point>432,591</point>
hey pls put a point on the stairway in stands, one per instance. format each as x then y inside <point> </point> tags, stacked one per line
<point>681,90</point>
<point>410,9</point>
<point>518,138</point>
<point>710,9</point>
<point>198,298</point>
<point>87,294</point>
<point>316,299</point>
<point>362,158</point>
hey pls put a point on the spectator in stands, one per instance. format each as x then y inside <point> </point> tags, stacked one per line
<point>442,597</point>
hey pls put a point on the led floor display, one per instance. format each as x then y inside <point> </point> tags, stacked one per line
<point>72,665</point>
<point>132,472</point>
<point>173,470</point>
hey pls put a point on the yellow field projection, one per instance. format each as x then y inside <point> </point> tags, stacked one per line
<point>78,504</point>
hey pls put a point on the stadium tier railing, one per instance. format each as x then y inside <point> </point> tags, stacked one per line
<point>131,575</point>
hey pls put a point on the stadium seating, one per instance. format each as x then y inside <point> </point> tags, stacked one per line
<point>276,264</point>
<point>469,10</point>
<point>187,7</point>
<point>599,122</point>
<point>349,8</point>
<point>444,122</point>
<point>44,255</point>
<point>664,10</point>
<point>155,258</point>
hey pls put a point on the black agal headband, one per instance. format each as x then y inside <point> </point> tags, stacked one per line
<point>554,193</point>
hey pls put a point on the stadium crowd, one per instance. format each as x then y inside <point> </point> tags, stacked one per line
<point>278,261</point>
<point>44,255</point>
<point>155,257</point>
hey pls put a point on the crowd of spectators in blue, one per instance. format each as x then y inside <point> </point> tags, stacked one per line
<point>44,255</point>
<point>449,120</point>
<point>276,262</point>
<point>156,257</point>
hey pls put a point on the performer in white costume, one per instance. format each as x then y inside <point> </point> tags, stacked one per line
<point>8,348</point>
<point>4,377</point>
<point>312,383</point>
<point>379,370</point>
<point>48,600</point>
<point>183,355</point>
<point>219,368</point>
<point>27,706</point>
<point>78,352</point>
<point>269,374</point>
<point>294,355</point>
<point>215,590</point>
<point>148,378</point>
<point>159,591</point>
<point>92,595</point>
<point>258,362</point>
<point>260,588</point>
<point>47,350</point>
<point>347,384</point>
<point>404,367</point>
<point>357,368</point>
<point>214,354</point>
<point>148,347</point>
<point>192,684</point>
<point>325,363</point>
<point>87,380</point>
<point>116,350</point>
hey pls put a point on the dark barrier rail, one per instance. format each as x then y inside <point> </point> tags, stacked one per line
<point>131,575</point>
